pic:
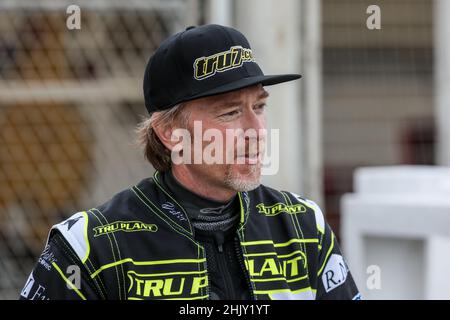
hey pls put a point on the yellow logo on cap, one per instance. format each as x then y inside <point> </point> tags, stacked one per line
<point>205,67</point>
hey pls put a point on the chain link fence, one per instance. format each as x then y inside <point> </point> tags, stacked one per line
<point>69,101</point>
<point>377,91</point>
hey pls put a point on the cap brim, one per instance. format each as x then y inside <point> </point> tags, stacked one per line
<point>266,80</point>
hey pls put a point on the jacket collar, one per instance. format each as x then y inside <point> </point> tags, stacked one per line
<point>169,209</point>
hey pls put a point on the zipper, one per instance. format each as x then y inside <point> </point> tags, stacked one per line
<point>240,258</point>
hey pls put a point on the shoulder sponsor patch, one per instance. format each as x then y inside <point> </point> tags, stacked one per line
<point>335,272</point>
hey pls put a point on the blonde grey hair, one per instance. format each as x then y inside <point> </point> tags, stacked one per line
<point>154,150</point>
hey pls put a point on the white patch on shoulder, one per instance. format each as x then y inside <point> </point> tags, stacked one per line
<point>73,230</point>
<point>335,272</point>
<point>320,220</point>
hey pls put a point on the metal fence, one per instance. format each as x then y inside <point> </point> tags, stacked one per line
<point>69,100</point>
<point>377,91</point>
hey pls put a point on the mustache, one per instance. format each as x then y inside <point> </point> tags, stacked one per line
<point>252,148</point>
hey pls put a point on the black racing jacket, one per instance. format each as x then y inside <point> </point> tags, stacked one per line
<point>141,245</point>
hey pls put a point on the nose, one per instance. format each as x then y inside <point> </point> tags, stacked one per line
<point>254,127</point>
<point>253,120</point>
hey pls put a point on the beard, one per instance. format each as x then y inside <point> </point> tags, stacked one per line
<point>247,181</point>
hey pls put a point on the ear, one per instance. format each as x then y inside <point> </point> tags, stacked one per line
<point>164,134</point>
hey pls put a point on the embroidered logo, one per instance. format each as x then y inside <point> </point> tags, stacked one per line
<point>205,67</point>
<point>278,208</point>
<point>125,226</point>
<point>173,211</point>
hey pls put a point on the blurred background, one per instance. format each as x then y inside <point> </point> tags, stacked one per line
<point>369,99</point>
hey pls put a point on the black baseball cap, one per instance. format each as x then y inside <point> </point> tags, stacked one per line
<point>199,62</point>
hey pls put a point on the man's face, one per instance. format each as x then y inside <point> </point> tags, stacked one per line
<point>232,127</point>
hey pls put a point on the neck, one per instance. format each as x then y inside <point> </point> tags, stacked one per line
<point>202,186</point>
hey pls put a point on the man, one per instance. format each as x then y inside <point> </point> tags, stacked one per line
<point>203,227</point>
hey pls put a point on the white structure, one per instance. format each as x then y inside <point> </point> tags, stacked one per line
<point>286,38</point>
<point>396,229</point>
<point>442,78</point>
